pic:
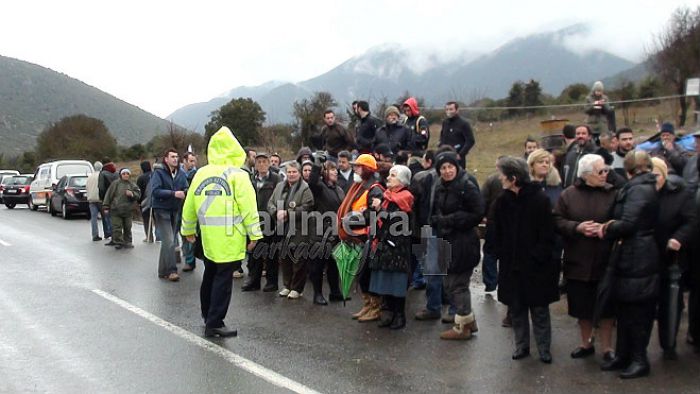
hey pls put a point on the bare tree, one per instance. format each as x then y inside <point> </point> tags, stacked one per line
<point>676,54</point>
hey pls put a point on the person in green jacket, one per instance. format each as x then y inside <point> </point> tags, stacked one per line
<point>119,201</point>
<point>221,199</point>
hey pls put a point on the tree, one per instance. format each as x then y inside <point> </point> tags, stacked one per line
<point>677,55</point>
<point>76,137</point>
<point>532,96</point>
<point>649,87</point>
<point>178,139</point>
<point>626,91</point>
<point>309,114</point>
<point>243,116</point>
<point>515,98</point>
<point>573,93</point>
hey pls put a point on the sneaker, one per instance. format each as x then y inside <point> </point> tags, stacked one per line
<point>174,277</point>
<point>293,295</point>
<point>237,275</point>
<point>285,292</point>
<point>97,238</point>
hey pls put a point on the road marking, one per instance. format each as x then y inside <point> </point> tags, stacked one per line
<point>3,243</point>
<point>239,361</point>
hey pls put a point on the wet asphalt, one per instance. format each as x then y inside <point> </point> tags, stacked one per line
<point>57,335</point>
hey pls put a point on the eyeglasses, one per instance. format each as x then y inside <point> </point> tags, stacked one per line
<point>604,171</point>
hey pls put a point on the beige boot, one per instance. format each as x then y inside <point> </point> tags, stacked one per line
<point>374,312</point>
<point>462,329</point>
<point>365,307</point>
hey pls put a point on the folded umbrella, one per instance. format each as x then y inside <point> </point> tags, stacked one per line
<point>347,258</point>
<point>605,287</point>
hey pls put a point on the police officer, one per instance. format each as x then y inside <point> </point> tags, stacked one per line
<point>221,199</point>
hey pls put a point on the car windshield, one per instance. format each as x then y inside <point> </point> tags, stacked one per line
<point>20,180</point>
<point>70,169</point>
<point>78,181</point>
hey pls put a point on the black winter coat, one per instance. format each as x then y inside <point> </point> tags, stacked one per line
<point>677,220</point>
<point>524,235</point>
<point>635,216</point>
<point>262,196</point>
<point>393,252</point>
<point>457,132</point>
<point>366,131</point>
<point>396,136</point>
<point>457,208</point>
<point>570,164</point>
<point>327,199</point>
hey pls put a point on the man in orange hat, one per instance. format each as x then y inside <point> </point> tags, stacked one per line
<point>363,192</point>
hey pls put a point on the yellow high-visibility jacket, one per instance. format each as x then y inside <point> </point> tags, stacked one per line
<point>221,199</point>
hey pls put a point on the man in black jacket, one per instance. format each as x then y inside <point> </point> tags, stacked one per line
<point>264,182</point>
<point>457,132</point>
<point>345,174</point>
<point>333,137</point>
<point>582,146</point>
<point>366,128</point>
<point>393,133</point>
<point>142,183</point>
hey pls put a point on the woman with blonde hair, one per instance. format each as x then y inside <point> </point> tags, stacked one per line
<point>542,173</point>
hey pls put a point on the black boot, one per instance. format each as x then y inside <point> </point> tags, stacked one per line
<point>317,282</point>
<point>615,364</point>
<point>399,305</point>
<point>388,313</point>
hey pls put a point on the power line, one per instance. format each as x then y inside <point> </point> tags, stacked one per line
<point>566,105</point>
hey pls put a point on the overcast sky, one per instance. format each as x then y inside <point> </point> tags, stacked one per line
<point>161,55</point>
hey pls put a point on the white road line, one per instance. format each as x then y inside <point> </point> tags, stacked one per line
<point>3,243</point>
<point>239,361</point>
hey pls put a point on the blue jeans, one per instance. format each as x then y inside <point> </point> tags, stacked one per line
<point>417,279</point>
<point>489,264</point>
<point>106,221</point>
<point>95,208</point>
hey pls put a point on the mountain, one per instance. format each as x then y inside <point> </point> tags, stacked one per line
<point>634,74</point>
<point>389,70</point>
<point>32,97</point>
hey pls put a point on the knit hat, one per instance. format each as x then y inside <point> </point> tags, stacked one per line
<point>667,127</point>
<point>446,157</point>
<point>392,110</point>
<point>125,171</point>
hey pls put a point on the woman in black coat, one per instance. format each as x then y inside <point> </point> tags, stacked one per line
<point>528,276</point>
<point>636,258</point>
<point>677,220</point>
<point>457,209</point>
<point>327,198</point>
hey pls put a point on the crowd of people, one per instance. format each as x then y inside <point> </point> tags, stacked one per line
<point>593,218</point>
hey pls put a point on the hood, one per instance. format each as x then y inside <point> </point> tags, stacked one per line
<point>413,104</point>
<point>225,150</point>
<point>146,166</point>
<point>304,151</point>
<point>109,167</point>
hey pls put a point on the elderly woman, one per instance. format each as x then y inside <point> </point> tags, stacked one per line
<point>636,258</point>
<point>327,199</point>
<point>391,257</point>
<point>456,210</point>
<point>289,199</point>
<point>543,174</point>
<point>677,220</point>
<point>578,214</point>
<point>528,276</point>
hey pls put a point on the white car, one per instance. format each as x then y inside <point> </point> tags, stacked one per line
<point>47,176</point>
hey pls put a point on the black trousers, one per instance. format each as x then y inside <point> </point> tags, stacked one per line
<point>634,324</point>
<point>215,293</point>
<point>332,277</point>
<point>262,258</point>
<point>694,314</point>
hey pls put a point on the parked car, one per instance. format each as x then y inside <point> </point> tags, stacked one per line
<point>47,176</point>
<point>69,197</point>
<point>16,190</point>
<point>4,178</point>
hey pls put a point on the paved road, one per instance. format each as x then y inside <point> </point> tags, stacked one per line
<point>81,317</point>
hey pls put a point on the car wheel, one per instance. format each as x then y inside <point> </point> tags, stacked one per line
<point>64,211</point>
<point>49,208</point>
<point>31,204</point>
<point>10,206</point>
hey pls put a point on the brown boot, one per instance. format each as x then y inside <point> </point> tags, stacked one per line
<point>461,330</point>
<point>365,307</point>
<point>374,312</point>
